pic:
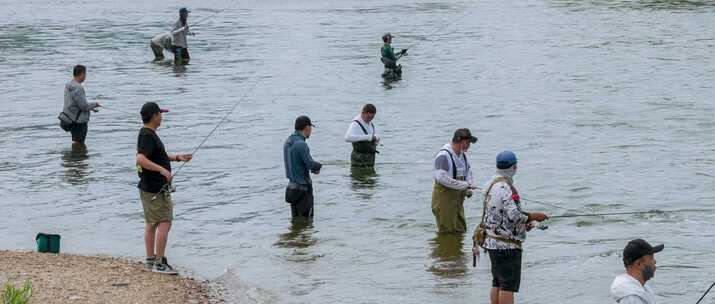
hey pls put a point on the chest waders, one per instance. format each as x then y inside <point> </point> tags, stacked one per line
<point>363,154</point>
<point>448,203</point>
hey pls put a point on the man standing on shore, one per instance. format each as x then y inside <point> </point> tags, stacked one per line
<point>154,168</point>
<point>361,134</point>
<point>639,260</point>
<point>452,183</point>
<point>76,110</point>
<point>298,165</point>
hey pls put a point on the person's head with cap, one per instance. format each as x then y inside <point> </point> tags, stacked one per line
<point>387,38</point>
<point>639,259</point>
<point>184,15</point>
<point>304,125</point>
<point>368,112</point>
<point>506,163</point>
<point>462,139</point>
<point>151,114</point>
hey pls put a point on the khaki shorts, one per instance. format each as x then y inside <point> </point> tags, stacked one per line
<point>159,210</point>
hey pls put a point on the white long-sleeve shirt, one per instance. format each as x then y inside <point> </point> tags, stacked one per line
<point>625,289</point>
<point>356,134</point>
<point>179,33</point>
<point>444,171</point>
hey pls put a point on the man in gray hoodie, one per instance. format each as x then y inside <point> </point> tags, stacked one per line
<point>76,110</point>
<point>298,165</point>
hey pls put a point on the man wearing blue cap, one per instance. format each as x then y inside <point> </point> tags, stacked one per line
<point>179,32</point>
<point>505,226</point>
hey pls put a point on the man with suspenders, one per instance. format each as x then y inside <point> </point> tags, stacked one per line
<point>361,134</point>
<point>453,182</point>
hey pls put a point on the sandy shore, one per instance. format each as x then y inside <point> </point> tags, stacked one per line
<point>67,278</point>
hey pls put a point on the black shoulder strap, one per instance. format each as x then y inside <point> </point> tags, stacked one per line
<point>454,166</point>
<point>361,126</point>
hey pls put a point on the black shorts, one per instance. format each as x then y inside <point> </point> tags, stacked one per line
<point>300,200</point>
<point>79,132</point>
<point>506,269</point>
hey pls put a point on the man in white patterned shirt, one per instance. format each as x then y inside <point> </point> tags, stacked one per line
<point>506,226</point>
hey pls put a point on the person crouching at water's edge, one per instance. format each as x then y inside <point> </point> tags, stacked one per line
<point>154,168</point>
<point>298,165</point>
<point>452,183</point>
<point>361,133</point>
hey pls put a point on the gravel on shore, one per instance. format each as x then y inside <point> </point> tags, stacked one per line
<point>67,278</point>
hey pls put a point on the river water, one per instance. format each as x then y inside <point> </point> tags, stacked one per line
<point>608,105</point>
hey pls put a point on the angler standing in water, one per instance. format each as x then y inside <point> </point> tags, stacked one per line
<point>179,31</point>
<point>639,260</point>
<point>361,133</point>
<point>452,183</point>
<point>389,59</point>
<point>503,229</point>
<point>76,110</point>
<point>154,168</point>
<point>298,165</point>
<point>159,43</point>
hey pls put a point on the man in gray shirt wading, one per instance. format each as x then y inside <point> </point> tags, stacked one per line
<point>298,164</point>
<point>76,111</point>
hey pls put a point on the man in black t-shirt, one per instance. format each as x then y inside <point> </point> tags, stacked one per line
<point>154,168</point>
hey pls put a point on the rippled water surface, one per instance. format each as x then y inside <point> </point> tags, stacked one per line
<point>607,103</point>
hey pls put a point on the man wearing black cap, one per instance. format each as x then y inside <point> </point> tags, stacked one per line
<point>630,287</point>
<point>179,32</point>
<point>453,182</point>
<point>298,165</point>
<point>154,168</point>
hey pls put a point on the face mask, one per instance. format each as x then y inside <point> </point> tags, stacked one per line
<point>648,272</point>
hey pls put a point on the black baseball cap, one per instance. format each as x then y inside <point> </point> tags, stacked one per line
<point>303,121</point>
<point>184,10</point>
<point>149,109</point>
<point>638,248</point>
<point>464,133</point>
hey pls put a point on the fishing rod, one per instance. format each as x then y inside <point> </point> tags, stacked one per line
<point>706,293</point>
<point>167,187</point>
<point>630,213</point>
<point>117,110</point>
<point>207,18</point>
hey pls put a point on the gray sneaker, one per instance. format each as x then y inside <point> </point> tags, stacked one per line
<point>163,267</point>
<point>149,264</point>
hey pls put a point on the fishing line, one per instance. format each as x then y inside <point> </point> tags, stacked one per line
<point>437,30</point>
<point>706,293</point>
<point>167,186</point>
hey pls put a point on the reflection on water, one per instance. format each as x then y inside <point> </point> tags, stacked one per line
<point>300,234</point>
<point>450,260</point>
<point>74,160</point>
<point>363,178</point>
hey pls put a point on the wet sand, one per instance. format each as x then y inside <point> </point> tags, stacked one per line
<point>67,278</point>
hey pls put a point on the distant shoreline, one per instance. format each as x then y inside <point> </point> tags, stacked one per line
<point>69,278</point>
